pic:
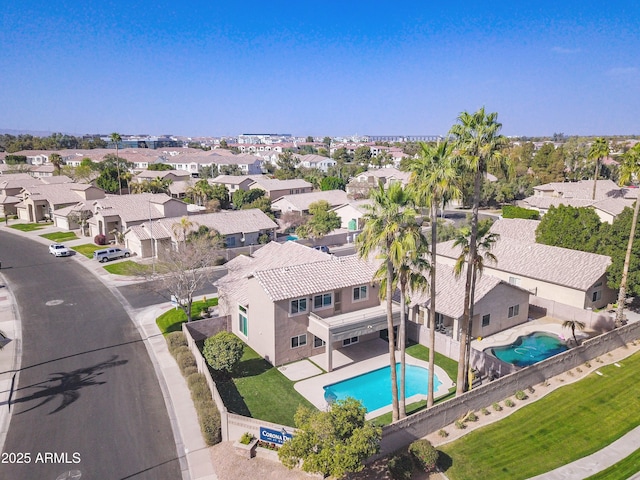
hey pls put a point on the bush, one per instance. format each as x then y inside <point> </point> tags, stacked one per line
<point>496,406</point>
<point>195,379</point>
<point>100,239</point>
<point>209,418</point>
<point>460,424</point>
<point>175,340</point>
<point>223,351</point>
<point>181,349</point>
<point>509,403</point>
<point>520,395</point>
<point>424,455</point>
<point>400,467</point>
<point>443,433</point>
<point>485,411</point>
<point>511,211</point>
<point>186,360</point>
<point>472,417</point>
<point>246,438</point>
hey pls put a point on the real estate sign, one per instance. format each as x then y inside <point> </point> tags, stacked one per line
<point>274,436</point>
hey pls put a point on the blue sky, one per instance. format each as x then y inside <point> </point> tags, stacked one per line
<point>319,68</point>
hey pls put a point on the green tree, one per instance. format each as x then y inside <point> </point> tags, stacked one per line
<point>570,227</point>
<point>240,197</point>
<point>110,178</point>
<point>342,155</point>
<point>479,143</point>
<point>511,211</point>
<point>234,170</point>
<point>332,183</point>
<point>223,351</point>
<point>362,156</point>
<point>116,139</point>
<point>573,324</point>
<point>334,442</point>
<point>56,160</point>
<point>385,224</point>
<point>599,150</point>
<point>159,167</point>
<point>309,139</point>
<point>223,144</point>
<point>320,222</point>
<point>548,164</point>
<point>434,178</point>
<point>287,164</point>
<point>629,171</point>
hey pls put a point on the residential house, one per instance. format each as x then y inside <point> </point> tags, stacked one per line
<point>173,175</point>
<point>568,277</point>
<point>237,228</point>
<point>275,188</point>
<point>316,161</point>
<point>248,164</point>
<point>10,187</point>
<point>116,212</point>
<point>289,302</point>
<point>360,186</point>
<point>351,214</point>
<point>300,202</point>
<point>233,182</point>
<point>39,202</point>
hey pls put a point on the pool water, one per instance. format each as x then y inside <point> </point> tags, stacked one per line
<point>530,349</point>
<point>373,389</point>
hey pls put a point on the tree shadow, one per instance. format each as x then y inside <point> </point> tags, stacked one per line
<point>445,462</point>
<point>67,385</point>
<point>231,397</point>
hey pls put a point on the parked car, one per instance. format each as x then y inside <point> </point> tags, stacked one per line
<point>322,248</point>
<point>111,253</point>
<point>59,250</point>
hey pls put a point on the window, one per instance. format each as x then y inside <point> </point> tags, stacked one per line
<point>322,301</point>
<point>299,341</point>
<point>299,305</point>
<point>318,342</point>
<point>514,311</point>
<point>349,341</point>
<point>360,293</point>
<point>514,281</point>
<point>485,320</point>
<point>243,324</point>
<point>597,295</point>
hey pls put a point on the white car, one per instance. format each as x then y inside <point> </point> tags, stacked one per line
<point>59,250</point>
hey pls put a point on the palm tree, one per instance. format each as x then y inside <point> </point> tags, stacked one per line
<point>116,138</point>
<point>573,324</point>
<point>478,143</point>
<point>56,161</point>
<point>599,149</point>
<point>386,222</point>
<point>182,227</point>
<point>485,242</point>
<point>434,180</point>
<point>629,171</point>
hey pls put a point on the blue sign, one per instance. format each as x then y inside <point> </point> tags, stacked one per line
<point>274,436</point>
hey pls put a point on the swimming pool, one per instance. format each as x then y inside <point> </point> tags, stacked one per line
<point>530,349</point>
<point>373,389</point>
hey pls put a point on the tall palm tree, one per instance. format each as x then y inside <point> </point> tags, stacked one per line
<point>56,160</point>
<point>478,143</point>
<point>386,222</point>
<point>434,179</point>
<point>629,172</point>
<point>573,324</point>
<point>182,227</point>
<point>116,138</point>
<point>599,149</point>
<point>485,242</point>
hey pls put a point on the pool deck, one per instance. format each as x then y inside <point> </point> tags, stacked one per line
<point>351,362</point>
<point>544,324</point>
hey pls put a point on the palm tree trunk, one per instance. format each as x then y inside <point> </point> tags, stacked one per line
<point>573,332</point>
<point>118,167</point>
<point>460,381</point>
<point>392,347</point>
<point>595,179</point>
<point>402,333</point>
<point>622,293</point>
<point>467,357</point>
<point>432,305</point>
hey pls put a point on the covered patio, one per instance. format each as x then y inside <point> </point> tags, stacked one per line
<point>345,326</point>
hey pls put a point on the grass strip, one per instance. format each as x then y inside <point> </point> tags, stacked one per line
<point>29,227</point>
<point>172,320</point>
<point>60,236</point>
<point>87,249</point>
<point>567,424</point>
<point>625,468</point>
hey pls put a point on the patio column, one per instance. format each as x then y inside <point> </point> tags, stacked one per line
<point>329,354</point>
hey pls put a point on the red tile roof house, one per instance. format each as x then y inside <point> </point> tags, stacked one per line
<point>117,212</point>
<point>560,275</point>
<point>289,302</point>
<point>248,164</point>
<point>237,227</point>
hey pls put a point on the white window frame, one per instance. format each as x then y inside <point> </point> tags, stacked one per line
<point>244,332</point>
<point>359,290</point>
<point>300,340</point>
<point>488,317</point>
<point>514,311</point>
<point>297,301</point>
<point>317,344</point>
<point>323,304</point>
<point>350,341</point>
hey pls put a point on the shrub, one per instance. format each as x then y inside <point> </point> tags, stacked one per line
<point>460,424</point>
<point>587,364</point>
<point>511,211</point>
<point>485,411</point>
<point>209,418</point>
<point>175,340</point>
<point>496,406</point>
<point>177,351</point>
<point>246,438</point>
<point>223,351</point>
<point>185,360</point>
<point>531,390</point>
<point>424,455</point>
<point>100,239</point>
<point>189,371</point>
<point>200,392</point>
<point>472,417</point>
<point>579,370</point>
<point>520,395</point>
<point>509,403</point>
<point>195,379</point>
<point>400,467</point>
<point>443,433</point>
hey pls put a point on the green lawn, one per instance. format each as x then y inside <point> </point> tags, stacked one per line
<point>29,227</point>
<point>127,267</point>
<point>87,249</point>
<point>259,390</point>
<point>60,236</point>
<point>172,320</point>
<point>623,469</point>
<point>572,422</point>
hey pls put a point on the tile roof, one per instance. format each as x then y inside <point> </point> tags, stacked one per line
<point>561,266</point>
<point>132,208</point>
<point>516,228</point>
<point>56,194</point>
<point>450,291</point>
<point>275,184</point>
<point>232,179</point>
<point>301,201</point>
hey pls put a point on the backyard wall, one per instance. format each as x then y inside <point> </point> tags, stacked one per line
<point>599,321</point>
<point>428,421</point>
<point>445,345</point>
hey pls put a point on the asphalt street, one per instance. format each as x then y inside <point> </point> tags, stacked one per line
<point>87,397</point>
